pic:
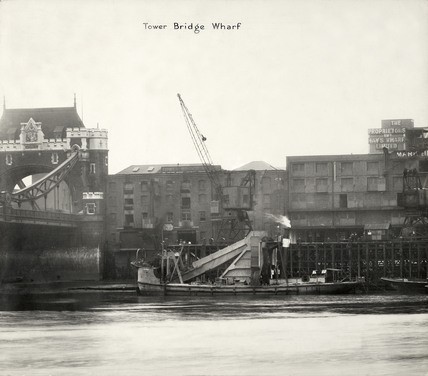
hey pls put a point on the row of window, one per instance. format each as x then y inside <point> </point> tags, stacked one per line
<point>185,216</point>
<point>185,185</point>
<point>302,201</point>
<point>185,201</point>
<point>169,186</point>
<point>344,168</point>
<point>374,184</point>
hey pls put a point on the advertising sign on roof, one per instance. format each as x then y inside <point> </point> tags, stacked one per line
<point>394,123</point>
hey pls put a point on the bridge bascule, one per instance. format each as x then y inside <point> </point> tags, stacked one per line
<point>67,163</point>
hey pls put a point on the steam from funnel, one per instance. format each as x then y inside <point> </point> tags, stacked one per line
<point>281,219</point>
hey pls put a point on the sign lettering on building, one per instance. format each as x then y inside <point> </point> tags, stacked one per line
<point>392,138</point>
<point>405,123</point>
<point>381,140</point>
<point>387,131</point>
<point>410,154</point>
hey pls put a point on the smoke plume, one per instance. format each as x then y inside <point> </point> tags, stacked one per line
<point>281,219</point>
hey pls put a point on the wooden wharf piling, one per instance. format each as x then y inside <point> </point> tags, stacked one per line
<point>371,259</point>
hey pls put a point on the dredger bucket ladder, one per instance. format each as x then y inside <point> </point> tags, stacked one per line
<point>216,259</point>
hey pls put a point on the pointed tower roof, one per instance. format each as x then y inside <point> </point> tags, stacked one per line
<point>54,120</point>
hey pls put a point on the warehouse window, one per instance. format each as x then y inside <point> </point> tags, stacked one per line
<point>202,216</point>
<point>129,220</point>
<point>170,217</point>
<point>298,185</point>
<point>128,188</point>
<point>321,168</point>
<point>298,167</point>
<point>376,184</point>
<point>372,184</point>
<point>322,185</point>
<point>373,167</point>
<point>346,168</point>
<point>128,204</point>
<point>347,184</point>
<point>185,202</point>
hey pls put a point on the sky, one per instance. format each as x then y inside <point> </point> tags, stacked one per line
<point>297,77</point>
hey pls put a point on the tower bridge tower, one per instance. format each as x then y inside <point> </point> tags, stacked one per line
<point>53,175</point>
<point>35,141</point>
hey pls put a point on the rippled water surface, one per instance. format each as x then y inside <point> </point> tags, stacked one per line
<point>124,334</point>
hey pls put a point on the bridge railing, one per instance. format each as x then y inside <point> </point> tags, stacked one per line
<point>40,215</point>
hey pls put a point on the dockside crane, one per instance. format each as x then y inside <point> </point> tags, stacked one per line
<point>230,203</point>
<point>414,199</point>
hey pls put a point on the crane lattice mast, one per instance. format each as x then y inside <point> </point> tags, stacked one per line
<point>199,142</point>
<point>236,221</point>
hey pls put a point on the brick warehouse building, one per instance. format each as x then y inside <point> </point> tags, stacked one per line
<point>148,204</point>
<point>332,197</point>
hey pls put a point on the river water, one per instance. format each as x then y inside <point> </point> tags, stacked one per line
<point>126,334</point>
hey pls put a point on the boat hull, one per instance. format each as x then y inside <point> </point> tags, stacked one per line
<point>173,289</point>
<point>408,286</point>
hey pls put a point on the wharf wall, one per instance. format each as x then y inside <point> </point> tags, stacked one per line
<point>36,253</point>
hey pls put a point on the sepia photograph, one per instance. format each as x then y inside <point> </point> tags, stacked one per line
<point>213,188</point>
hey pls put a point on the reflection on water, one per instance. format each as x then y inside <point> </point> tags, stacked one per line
<point>115,334</point>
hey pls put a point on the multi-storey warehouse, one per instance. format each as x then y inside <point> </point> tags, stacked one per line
<point>346,211</point>
<point>363,213</point>
<point>334,197</point>
<point>148,204</point>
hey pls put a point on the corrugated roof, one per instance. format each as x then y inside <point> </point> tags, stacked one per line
<point>54,119</point>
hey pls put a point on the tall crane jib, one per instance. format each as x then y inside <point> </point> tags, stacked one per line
<point>230,204</point>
